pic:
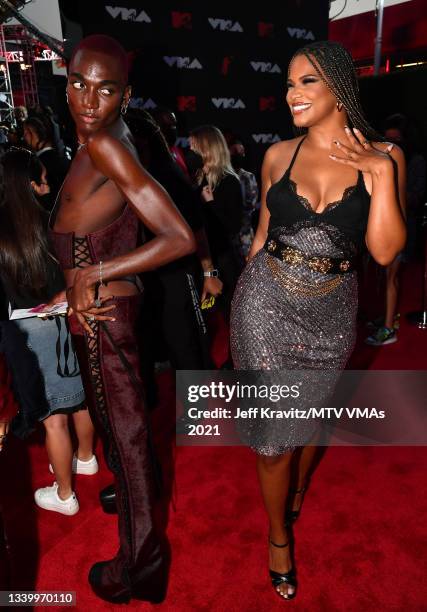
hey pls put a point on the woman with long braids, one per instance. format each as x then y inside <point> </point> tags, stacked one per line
<point>325,194</point>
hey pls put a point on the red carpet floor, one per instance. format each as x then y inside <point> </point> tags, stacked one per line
<point>360,540</point>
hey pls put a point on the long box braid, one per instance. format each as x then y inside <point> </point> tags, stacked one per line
<point>334,65</point>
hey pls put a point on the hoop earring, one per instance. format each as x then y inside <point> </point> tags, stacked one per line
<point>339,106</point>
<point>124,107</point>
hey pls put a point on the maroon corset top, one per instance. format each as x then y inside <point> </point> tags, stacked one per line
<point>118,238</point>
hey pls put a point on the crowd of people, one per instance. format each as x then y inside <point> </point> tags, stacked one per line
<point>125,208</point>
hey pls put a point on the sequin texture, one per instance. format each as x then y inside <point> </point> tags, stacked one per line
<point>289,317</point>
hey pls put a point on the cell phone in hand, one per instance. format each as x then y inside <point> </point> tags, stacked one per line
<point>208,303</point>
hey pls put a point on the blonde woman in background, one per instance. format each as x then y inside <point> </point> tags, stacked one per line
<point>222,208</point>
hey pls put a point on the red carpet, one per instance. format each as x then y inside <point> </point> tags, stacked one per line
<point>360,540</point>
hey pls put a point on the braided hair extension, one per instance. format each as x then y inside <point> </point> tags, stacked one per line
<point>334,65</point>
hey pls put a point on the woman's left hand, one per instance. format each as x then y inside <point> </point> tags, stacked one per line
<point>359,153</point>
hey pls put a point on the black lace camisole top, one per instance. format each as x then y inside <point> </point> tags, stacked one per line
<point>349,214</point>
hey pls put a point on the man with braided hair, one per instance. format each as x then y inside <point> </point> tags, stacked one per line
<point>95,232</point>
<point>325,194</point>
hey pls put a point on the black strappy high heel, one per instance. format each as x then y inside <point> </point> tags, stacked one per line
<point>289,578</point>
<point>292,515</point>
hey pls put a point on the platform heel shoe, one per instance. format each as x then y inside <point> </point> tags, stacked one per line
<point>116,593</point>
<point>288,578</point>
<point>147,584</point>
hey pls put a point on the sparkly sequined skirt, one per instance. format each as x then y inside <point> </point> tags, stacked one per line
<point>288,317</point>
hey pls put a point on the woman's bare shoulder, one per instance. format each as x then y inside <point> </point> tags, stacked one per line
<point>278,157</point>
<point>282,151</point>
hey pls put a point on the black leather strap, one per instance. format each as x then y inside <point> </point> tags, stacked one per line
<point>279,545</point>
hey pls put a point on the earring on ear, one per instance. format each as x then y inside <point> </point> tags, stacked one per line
<point>339,106</point>
<point>66,96</point>
<point>124,107</point>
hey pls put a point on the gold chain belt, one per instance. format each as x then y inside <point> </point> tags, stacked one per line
<point>292,256</point>
<point>300,287</point>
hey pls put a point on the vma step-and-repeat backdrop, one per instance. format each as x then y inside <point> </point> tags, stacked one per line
<point>211,62</point>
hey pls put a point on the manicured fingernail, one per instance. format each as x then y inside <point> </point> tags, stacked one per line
<point>347,129</point>
<point>113,319</point>
<point>356,130</point>
<point>332,156</point>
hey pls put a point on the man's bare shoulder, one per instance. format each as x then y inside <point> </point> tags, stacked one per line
<point>104,141</point>
<point>108,146</point>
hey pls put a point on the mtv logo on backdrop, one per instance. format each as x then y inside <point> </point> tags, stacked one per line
<point>186,103</point>
<point>182,20</point>
<point>300,33</point>
<point>227,103</point>
<point>183,62</point>
<point>266,138</point>
<point>128,14</point>
<point>149,104</point>
<point>139,103</point>
<point>225,25</point>
<point>267,103</point>
<point>265,67</point>
<point>265,30</point>
<point>226,63</point>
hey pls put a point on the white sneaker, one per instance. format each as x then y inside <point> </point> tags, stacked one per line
<point>48,498</point>
<point>82,467</point>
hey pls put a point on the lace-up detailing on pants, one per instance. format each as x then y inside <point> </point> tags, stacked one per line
<point>118,409</point>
